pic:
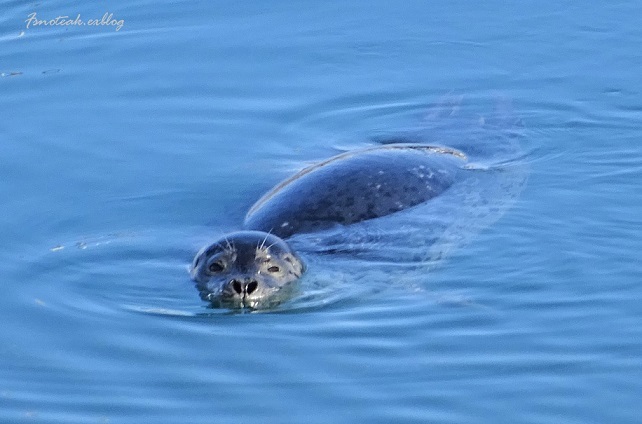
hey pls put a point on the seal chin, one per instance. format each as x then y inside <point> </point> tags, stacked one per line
<point>248,269</point>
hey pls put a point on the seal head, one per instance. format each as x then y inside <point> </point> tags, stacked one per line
<point>245,269</point>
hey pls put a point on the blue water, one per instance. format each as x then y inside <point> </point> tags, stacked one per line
<point>123,152</point>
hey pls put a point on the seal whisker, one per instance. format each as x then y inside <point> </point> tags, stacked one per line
<point>268,248</point>
<point>229,245</point>
<point>265,239</point>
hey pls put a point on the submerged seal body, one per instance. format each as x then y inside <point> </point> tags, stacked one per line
<point>248,267</point>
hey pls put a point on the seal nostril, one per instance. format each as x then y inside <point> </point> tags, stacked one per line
<point>236,285</point>
<point>252,286</point>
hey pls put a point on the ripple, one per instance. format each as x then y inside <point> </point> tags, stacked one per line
<point>145,271</point>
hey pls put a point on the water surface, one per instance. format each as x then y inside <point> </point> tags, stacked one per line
<point>123,152</point>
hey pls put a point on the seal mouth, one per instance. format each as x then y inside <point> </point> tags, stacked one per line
<point>250,298</point>
<point>244,302</point>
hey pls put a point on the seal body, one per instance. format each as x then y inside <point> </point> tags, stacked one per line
<point>356,186</point>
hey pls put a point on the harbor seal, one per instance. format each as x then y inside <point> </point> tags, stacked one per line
<point>248,268</point>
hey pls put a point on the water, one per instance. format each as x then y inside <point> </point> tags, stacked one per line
<point>123,152</point>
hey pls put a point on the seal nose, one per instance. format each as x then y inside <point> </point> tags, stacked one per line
<point>244,287</point>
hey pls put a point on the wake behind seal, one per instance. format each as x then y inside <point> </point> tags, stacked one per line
<point>256,267</point>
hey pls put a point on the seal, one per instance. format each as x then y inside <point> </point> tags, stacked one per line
<point>249,268</point>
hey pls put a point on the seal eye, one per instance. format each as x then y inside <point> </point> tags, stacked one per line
<point>216,267</point>
<point>274,269</point>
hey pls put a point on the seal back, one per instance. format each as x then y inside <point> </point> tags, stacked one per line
<point>354,187</point>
